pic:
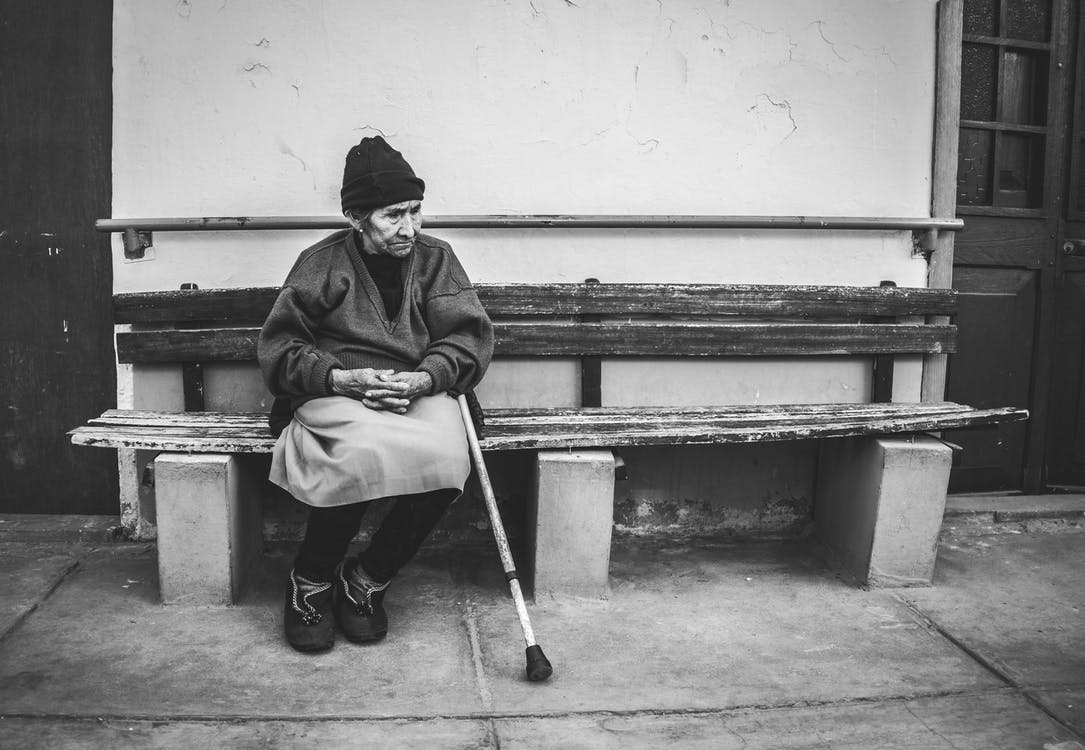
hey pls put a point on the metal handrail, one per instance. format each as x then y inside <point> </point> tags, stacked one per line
<point>537,221</point>
<point>137,232</point>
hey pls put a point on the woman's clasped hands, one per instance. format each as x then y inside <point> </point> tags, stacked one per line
<point>382,390</point>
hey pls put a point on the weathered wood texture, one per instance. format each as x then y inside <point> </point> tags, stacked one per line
<point>517,429</point>
<point>503,300</point>
<point>583,320</point>
<point>585,339</point>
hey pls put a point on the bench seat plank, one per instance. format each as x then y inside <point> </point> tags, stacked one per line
<point>557,414</point>
<point>512,429</point>
<point>602,415</point>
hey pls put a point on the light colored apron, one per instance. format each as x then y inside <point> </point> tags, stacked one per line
<point>337,451</point>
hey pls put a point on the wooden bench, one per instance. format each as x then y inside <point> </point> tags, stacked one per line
<point>881,481</point>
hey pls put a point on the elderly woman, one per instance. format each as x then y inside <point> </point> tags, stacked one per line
<point>374,328</point>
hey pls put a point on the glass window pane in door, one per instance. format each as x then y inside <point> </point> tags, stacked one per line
<point>981,17</point>
<point>1028,19</point>
<point>1021,171</point>
<point>978,77</point>
<point>1024,87</point>
<point>975,161</point>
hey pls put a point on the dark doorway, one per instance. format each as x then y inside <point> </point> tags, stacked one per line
<point>1019,264</point>
<point>56,331</point>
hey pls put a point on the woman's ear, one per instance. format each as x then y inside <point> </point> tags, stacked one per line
<point>358,219</point>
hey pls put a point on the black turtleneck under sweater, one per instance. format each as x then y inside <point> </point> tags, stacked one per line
<point>388,278</point>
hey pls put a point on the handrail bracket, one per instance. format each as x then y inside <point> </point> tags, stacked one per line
<point>924,242</point>
<point>136,242</point>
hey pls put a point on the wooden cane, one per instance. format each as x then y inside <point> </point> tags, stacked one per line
<point>538,666</point>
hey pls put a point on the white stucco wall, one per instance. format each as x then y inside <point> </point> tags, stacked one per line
<point>786,107</point>
<point>230,107</point>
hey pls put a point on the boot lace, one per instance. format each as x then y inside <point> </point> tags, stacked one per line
<point>307,588</point>
<point>363,604</point>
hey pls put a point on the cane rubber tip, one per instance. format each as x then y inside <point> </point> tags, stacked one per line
<point>538,666</point>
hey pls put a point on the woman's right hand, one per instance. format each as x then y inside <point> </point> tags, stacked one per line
<point>371,388</point>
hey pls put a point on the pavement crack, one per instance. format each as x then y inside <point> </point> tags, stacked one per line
<point>470,621</point>
<point>926,621</point>
<point>493,739</point>
<point>470,615</point>
<point>990,665</point>
<point>719,711</point>
<point>68,569</point>
<point>931,729</point>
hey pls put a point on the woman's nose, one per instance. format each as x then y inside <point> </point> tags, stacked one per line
<point>407,228</point>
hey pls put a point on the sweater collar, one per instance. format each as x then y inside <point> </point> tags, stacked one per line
<point>354,252</point>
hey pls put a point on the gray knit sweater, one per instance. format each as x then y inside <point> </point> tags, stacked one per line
<point>330,314</point>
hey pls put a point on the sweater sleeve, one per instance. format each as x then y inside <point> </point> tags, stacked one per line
<point>291,362</point>
<point>461,334</point>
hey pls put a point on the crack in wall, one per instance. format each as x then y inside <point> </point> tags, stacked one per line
<point>375,130</point>
<point>832,44</point>
<point>713,24</point>
<point>285,150</point>
<point>783,104</point>
<point>876,52</point>
<point>762,29</point>
<point>865,51</point>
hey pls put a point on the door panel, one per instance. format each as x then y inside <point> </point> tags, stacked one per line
<point>990,241</point>
<point>993,371</point>
<point>1066,439</point>
<point>1066,460</point>
<point>56,331</point>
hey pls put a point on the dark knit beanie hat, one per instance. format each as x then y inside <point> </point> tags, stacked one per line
<point>376,175</point>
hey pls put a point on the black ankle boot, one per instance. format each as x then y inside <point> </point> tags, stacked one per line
<point>307,614</point>
<point>359,604</point>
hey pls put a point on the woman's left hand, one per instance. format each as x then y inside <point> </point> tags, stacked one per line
<point>407,387</point>
<point>418,383</point>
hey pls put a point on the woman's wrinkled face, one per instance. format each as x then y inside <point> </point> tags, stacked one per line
<point>390,230</point>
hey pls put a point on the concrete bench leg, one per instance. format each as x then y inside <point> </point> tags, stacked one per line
<point>879,506</point>
<point>209,532</point>
<point>570,523</point>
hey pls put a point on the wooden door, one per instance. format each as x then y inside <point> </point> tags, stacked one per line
<point>1018,330</point>
<point>1066,436</point>
<point>56,335</point>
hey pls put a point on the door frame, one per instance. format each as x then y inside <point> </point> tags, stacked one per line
<point>947,114</point>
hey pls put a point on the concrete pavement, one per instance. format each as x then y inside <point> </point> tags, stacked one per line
<point>707,645</point>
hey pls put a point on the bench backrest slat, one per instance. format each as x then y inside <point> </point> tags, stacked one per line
<point>505,300</point>
<point>585,339</point>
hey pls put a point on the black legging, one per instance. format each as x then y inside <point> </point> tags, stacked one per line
<point>329,531</point>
